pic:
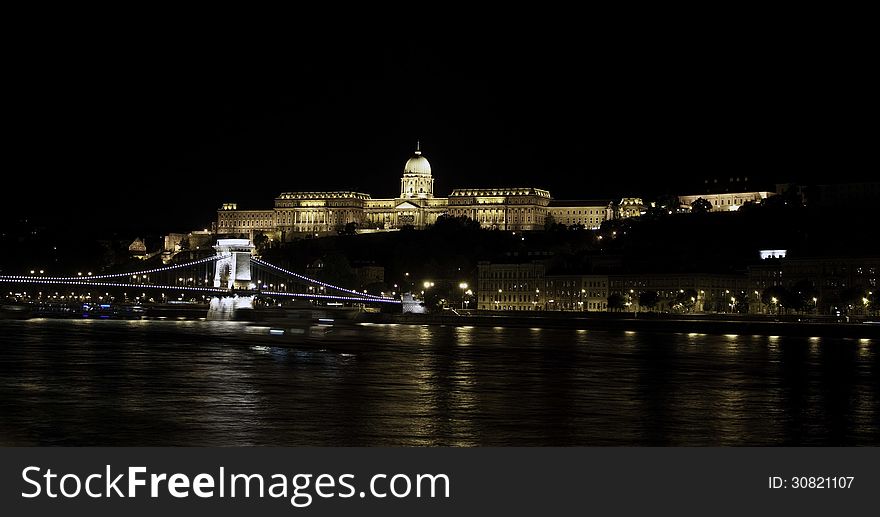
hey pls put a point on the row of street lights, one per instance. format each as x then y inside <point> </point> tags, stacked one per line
<point>465,291</point>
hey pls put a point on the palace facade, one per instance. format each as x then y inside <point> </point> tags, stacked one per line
<point>728,201</point>
<point>302,214</point>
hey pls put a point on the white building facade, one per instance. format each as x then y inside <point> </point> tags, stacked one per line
<point>727,201</point>
<point>303,214</point>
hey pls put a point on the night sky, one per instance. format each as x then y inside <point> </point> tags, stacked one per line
<point>155,140</point>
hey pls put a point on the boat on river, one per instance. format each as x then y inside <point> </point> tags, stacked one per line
<point>15,311</point>
<point>318,326</point>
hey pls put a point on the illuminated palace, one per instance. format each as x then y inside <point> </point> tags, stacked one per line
<point>300,214</point>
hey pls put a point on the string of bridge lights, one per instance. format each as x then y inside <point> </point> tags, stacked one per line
<point>204,289</point>
<point>307,279</point>
<point>114,275</point>
<point>79,280</point>
<point>115,284</point>
<point>330,297</point>
<point>207,289</point>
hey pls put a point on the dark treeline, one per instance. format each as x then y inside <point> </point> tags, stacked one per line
<point>452,248</point>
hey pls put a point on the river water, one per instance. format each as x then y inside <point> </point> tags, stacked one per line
<point>88,382</point>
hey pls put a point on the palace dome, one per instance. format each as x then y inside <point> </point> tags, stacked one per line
<point>417,164</point>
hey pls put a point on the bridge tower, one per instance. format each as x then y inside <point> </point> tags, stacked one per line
<point>233,267</point>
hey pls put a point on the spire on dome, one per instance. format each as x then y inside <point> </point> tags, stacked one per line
<point>417,164</point>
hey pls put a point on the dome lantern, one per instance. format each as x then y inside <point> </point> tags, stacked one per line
<point>417,164</point>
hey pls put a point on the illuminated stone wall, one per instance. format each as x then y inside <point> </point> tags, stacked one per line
<point>590,214</point>
<point>514,209</point>
<point>731,201</point>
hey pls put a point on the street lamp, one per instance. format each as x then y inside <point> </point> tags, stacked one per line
<point>464,287</point>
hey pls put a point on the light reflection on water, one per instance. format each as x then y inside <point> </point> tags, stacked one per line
<point>83,382</point>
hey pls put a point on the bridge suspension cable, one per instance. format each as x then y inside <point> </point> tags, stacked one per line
<point>331,297</point>
<point>114,275</point>
<point>108,281</point>
<point>361,296</point>
<point>84,283</point>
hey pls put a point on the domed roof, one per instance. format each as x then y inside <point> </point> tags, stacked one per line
<point>417,164</point>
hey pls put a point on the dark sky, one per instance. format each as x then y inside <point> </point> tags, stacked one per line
<point>155,139</point>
